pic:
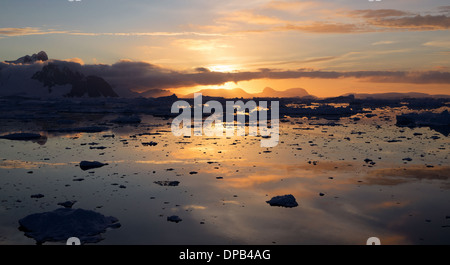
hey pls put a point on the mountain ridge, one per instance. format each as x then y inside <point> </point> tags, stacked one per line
<point>27,59</point>
<point>37,76</point>
<point>394,95</point>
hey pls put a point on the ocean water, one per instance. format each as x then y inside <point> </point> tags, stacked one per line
<point>352,179</point>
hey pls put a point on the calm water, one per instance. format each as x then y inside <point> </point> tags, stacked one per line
<point>398,190</point>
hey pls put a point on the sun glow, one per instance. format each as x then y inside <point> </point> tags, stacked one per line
<point>223,68</point>
<point>227,85</point>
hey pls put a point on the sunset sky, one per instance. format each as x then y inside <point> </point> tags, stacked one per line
<point>326,47</point>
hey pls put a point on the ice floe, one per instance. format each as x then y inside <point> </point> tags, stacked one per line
<point>63,223</point>
<point>21,136</point>
<point>85,165</point>
<point>283,201</point>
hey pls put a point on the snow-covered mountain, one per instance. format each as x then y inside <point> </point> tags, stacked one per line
<point>27,59</point>
<point>36,76</point>
<point>53,75</point>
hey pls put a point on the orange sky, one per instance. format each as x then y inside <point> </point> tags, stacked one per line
<point>324,87</point>
<point>243,36</point>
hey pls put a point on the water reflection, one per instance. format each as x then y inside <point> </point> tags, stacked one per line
<point>349,180</point>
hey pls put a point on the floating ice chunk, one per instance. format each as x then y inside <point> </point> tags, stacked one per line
<point>88,129</point>
<point>151,143</point>
<point>424,119</point>
<point>85,165</point>
<point>439,122</point>
<point>167,183</point>
<point>63,223</point>
<point>174,218</point>
<point>283,201</point>
<point>21,136</point>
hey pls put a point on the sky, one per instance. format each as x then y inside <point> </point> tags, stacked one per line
<point>328,48</point>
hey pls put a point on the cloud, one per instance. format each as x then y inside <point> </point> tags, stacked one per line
<point>202,69</point>
<point>28,31</point>
<point>444,9</point>
<point>12,32</point>
<point>378,13</point>
<point>378,20</point>
<point>325,27</point>
<point>385,19</point>
<point>75,60</point>
<point>441,44</point>
<point>201,45</point>
<point>142,77</point>
<point>383,42</point>
<point>320,59</point>
<point>157,34</point>
<point>418,22</point>
<point>271,17</point>
<point>250,17</point>
<point>289,6</point>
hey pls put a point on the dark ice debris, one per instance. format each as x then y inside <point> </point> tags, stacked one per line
<point>151,143</point>
<point>149,133</point>
<point>63,223</point>
<point>97,147</point>
<point>85,165</point>
<point>21,136</point>
<point>37,196</point>
<point>393,141</point>
<point>287,201</point>
<point>167,183</point>
<point>369,161</point>
<point>174,218</point>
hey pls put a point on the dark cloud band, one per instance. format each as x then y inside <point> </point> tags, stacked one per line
<point>145,77</point>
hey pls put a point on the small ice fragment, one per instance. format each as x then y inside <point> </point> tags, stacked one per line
<point>174,218</point>
<point>85,165</point>
<point>283,201</point>
<point>167,183</point>
<point>63,223</point>
<point>21,136</point>
<point>67,204</point>
<point>151,143</point>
